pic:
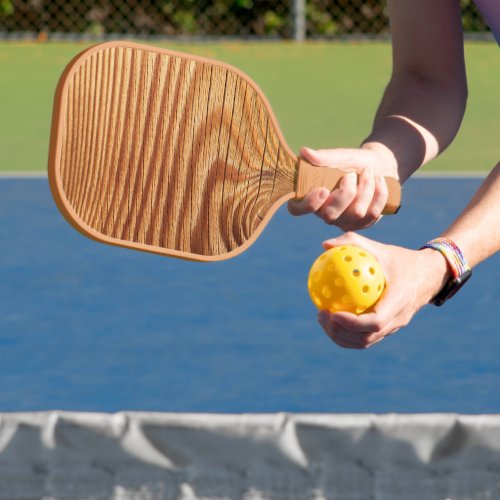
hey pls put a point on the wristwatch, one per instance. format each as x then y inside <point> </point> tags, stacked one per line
<point>459,267</point>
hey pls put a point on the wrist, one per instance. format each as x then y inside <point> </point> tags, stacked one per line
<point>437,273</point>
<point>388,165</point>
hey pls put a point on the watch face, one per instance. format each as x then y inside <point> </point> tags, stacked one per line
<point>451,288</point>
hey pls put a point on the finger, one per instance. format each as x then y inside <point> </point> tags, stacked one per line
<point>348,338</point>
<point>338,334</point>
<point>342,340</point>
<point>336,330</point>
<point>380,197</point>
<point>368,205</point>
<point>356,215</point>
<point>373,325</point>
<point>311,203</point>
<point>343,343</point>
<point>338,157</point>
<point>373,342</point>
<point>362,324</point>
<point>319,158</point>
<point>351,340</point>
<point>339,199</point>
<point>375,209</point>
<point>348,238</point>
<point>358,209</point>
<point>361,340</point>
<point>359,224</point>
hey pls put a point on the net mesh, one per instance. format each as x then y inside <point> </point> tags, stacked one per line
<point>155,456</point>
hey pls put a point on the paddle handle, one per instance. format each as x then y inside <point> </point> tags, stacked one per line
<point>310,177</point>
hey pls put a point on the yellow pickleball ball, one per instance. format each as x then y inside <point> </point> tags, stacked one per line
<point>346,278</point>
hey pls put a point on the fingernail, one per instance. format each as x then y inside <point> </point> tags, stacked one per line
<point>324,194</point>
<point>306,150</point>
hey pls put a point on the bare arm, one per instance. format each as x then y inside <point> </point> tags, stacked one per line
<point>418,117</point>
<point>477,230</point>
<point>424,103</point>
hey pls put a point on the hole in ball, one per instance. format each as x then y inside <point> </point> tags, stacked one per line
<point>317,300</point>
<point>346,299</point>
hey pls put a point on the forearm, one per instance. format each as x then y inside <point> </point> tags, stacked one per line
<point>477,230</point>
<point>424,103</point>
<point>416,121</point>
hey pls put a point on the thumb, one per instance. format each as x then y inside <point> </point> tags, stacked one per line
<point>315,157</point>
<point>348,238</point>
<point>351,159</point>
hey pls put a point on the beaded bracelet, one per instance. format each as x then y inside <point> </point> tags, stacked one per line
<point>459,267</point>
<point>452,254</point>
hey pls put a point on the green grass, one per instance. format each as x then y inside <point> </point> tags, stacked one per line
<point>323,94</point>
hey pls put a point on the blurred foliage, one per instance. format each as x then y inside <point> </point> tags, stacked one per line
<point>262,18</point>
<point>320,22</point>
<point>471,20</point>
<point>6,8</point>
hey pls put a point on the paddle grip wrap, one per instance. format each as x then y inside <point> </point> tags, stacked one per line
<point>310,177</point>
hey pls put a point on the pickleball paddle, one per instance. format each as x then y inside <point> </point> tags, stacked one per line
<point>171,153</point>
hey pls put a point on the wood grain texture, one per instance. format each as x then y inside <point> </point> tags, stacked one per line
<point>171,153</point>
<point>166,151</point>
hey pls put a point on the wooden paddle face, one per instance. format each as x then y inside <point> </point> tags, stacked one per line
<point>165,152</point>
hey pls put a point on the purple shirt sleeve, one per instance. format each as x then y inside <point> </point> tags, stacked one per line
<point>490,9</point>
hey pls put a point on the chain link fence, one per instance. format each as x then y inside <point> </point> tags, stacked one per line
<point>286,19</point>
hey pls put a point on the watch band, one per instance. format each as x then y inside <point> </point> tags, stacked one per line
<point>458,265</point>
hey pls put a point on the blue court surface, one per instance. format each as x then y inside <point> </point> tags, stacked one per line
<point>90,327</point>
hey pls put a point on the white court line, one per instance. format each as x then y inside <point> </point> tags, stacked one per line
<point>453,174</point>
<point>35,174</point>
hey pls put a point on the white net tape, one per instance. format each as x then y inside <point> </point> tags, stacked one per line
<point>155,456</point>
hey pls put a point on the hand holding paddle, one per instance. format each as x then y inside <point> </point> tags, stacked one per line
<point>170,153</point>
<point>360,199</point>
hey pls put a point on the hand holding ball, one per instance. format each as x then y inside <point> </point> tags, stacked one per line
<point>346,278</point>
